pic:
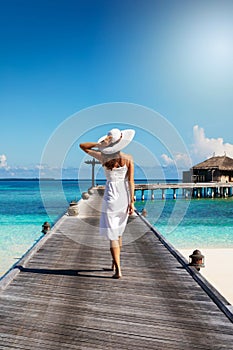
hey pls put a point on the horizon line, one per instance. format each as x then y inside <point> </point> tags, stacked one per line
<point>74,179</point>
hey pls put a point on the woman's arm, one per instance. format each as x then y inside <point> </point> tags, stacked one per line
<point>131,185</point>
<point>87,147</point>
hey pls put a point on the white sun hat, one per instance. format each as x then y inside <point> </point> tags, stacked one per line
<point>120,139</point>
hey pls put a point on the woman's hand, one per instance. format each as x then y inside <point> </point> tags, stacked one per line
<point>106,141</point>
<point>131,208</point>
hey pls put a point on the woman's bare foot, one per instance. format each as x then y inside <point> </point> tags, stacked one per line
<point>118,273</point>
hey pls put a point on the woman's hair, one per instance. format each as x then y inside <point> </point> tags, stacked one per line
<point>111,160</point>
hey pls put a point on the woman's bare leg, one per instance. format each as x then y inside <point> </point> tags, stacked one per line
<point>115,251</point>
<point>120,242</point>
<point>120,245</point>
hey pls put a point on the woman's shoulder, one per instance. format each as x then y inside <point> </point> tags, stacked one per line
<point>127,158</point>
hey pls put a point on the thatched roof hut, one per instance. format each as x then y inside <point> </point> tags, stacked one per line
<point>221,163</point>
<point>219,168</point>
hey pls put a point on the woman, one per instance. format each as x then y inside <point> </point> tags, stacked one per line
<point>118,200</point>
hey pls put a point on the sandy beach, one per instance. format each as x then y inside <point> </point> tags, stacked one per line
<point>218,269</point>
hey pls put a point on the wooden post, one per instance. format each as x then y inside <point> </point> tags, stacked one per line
<point>205,192</point>
<point>174,193</point>
<point>163,194</point>
<point>152,195</point>
<point>230,191</point>
<point>93,162</point>
<point>143,197</point>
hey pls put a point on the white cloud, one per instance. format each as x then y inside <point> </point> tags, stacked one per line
<point>3,162</point>
<point>167,160</point>
<point>35,171</point>
<point>40,167</point>
<point>180,160</point>
<point>204,147</point>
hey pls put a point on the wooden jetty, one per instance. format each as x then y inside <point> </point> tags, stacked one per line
<point>61,296</point>
<point>189,190</point>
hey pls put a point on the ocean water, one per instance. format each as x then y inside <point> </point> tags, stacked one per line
<point>203,223</point>
<point>187,224</point>
<point>22,214</point>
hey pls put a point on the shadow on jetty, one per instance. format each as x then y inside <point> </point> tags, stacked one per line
<point>61,272</point>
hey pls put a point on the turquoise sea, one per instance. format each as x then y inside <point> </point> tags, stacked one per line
<point>191,224</point>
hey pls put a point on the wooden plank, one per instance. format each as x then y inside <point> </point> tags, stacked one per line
<point>64,296</point>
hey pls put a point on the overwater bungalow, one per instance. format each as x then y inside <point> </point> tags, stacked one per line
<point>214,169</point>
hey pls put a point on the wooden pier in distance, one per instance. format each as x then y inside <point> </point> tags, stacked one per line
<point>189,190</point>
<point>62,295</point>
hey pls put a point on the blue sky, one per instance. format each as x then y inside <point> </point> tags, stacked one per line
<point>59,57</point>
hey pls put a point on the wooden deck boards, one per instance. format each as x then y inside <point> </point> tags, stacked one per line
<point>65,298</point>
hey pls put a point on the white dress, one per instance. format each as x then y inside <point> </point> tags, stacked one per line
<point>115,203</point>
